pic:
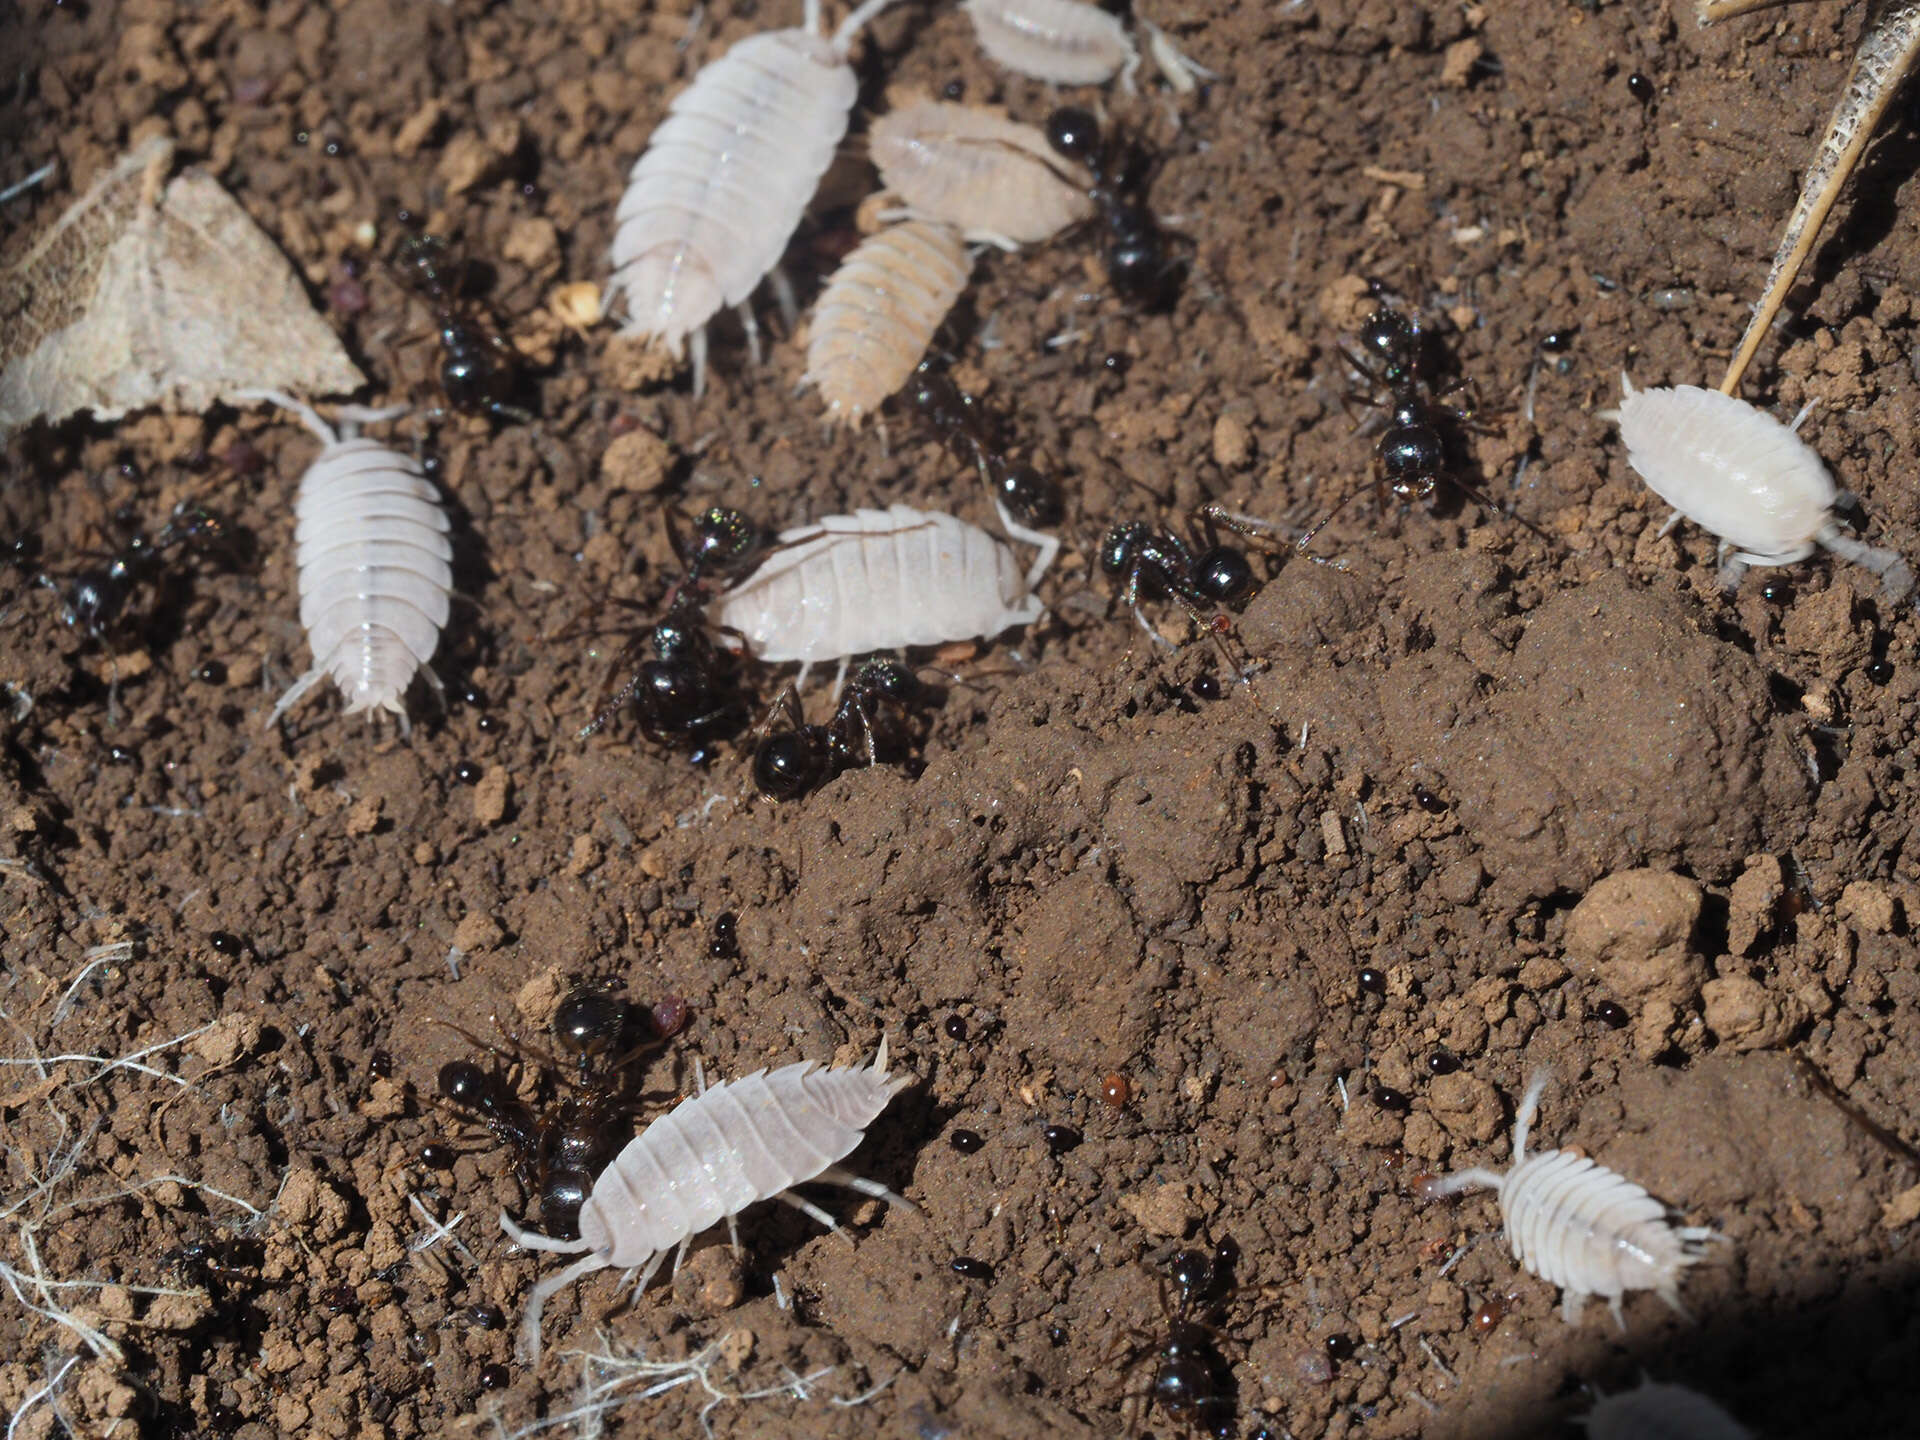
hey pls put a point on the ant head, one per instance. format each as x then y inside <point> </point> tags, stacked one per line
<point>788,765</point>
<point>721,537</point>
<point>886,680</point>
<point>588,1022</point>
<point>1074,133</point>
<point>1192,1273</point>
<point>467,1085</point>
<point>420,257</point>
<point>1122,542</point>
<point>196,527</point>
<point>672,694</point>
<point>1030,496</point>
<point>1393,340</point>
<point>561,1197</point>
<point>1223,575</point>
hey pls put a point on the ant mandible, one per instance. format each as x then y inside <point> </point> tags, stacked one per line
<point>1137,263</point>
<point>686,691</point>
<point>1411,456</point>
<point>793,762</point>
<point>479,369</point>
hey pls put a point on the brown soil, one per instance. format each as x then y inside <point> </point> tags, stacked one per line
<point>1096,872</point>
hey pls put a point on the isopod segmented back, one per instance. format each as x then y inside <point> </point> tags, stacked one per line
<point>994,179</point>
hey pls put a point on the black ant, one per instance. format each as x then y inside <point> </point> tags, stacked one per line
<point>687,691</point>
<point>479,368</point>
<point>974,433</point>
<point>1190,1381</point>
<point>1199,572</point>
<point>96,598</point>
<point>1411,456</point>
<point>793,762</point>
<point>1137,263</point>
<point>562,1147</point>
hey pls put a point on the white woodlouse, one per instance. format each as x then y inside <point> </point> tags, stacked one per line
<point>1581,1226</point>
<point>996,180</point>
<point>878,313</point>
<point>1654,1411</point>
<point>376,578</point>
<point>710,1157</point>
<point>1734,470</point>
<point>1064,42</point>
<point>714,199</point>
<point>883,580</point>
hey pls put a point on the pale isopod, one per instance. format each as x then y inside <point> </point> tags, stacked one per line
<point>1061,41</point>
<point>997,181</point>
<point>376,577</point>
<point>1660,1412</point>
<point>712,202</point>
<point>872,323</point>
<point>1734,470</point>
<point>1582,1227</point>
<point>709,1158</point>
<point>883,580</point>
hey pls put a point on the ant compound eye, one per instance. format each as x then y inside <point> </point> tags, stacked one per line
<point>1223,574</point>
<point>785,767</point>
<point>588,1022</point>
<point>465,1083</point>
<point>1073,132</point>
<point>1033,499</point>
<point>1116,551</point>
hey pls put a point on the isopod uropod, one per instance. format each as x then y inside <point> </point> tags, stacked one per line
<point>375,565</point>
<point>874,320</point>
<point>883,580</point>
<point>1734,470</point>
<point>712,202</point>
<point>1581,1226</point>
<point>996,180</point>
<point>710,1157</point>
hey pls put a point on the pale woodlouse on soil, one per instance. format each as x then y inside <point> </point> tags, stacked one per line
<point>996,180</point>
<point>1654,1411</point>
<point>712,202</point>
<point>878,313</point>
<point>375,565</point>
<point>1581,1226</point>
<point>1068,42</point>
<point>883,580</point>
<point>1737,472</point>
<point>710,1157</point>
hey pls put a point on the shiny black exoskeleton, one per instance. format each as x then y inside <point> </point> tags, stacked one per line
<point>975,433</point>
<point>479,369</point>
<point>1412,454</point>
<point>573,1134</point>
<point>795,761</point>
<point>689,690</point>
<point>1200,572</point>
<point>97,597</point>
<point>1191,1383</point>
<point>1137,261</point>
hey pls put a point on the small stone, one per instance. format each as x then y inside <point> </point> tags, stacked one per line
<point>1462,57</point>
<point>178,1312</point>
<point>1868,906</point>
<point>464,162</point>
<point>229,1038</point>
<point>1902,1210</point>
<point>1166,1211</point>
<point>540,997</point>
<point>638,461</point>
<point>364,817</point>
<point>1745,1015</point>
<point>587,853</point>
<point>415,130</point>
<point>477,931</point>
<point>1542,972</point>
<point>424,853</point>
<point>1232,442</point>
<point>491,795</point>
<point>1468,1106</point>
<point>1753,902</point>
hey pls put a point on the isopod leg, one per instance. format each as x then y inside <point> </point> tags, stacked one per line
<point>1732,567</point>
<point>812,1211</point>
<point>784,297</point>
<point>1896,575</point>
<point>529,1344</point>
<point>1048,545</point>
<point>534,1240</point>
<point>295,693</point>
<point>834,1175</point>
<point>1666,526</point>
<point>306,414</point>
<point>851,26</point>
<point>699,362</point>
<point>1572,1302</point>
<point>752,326</point>
<point>1476,1179</point>
<point>839,679</point>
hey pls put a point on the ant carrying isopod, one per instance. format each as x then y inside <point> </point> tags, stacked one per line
<point>790,763</point>
<point>1411,458</point>
<point>688,691</point>
<point>1191,1383</point>
<point>559,1147</point>
<point>1122,170</point>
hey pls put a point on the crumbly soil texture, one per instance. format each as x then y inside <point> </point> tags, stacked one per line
<point>1200,961</point>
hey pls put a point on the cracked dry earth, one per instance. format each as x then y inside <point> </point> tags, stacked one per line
<point>1490,804</point>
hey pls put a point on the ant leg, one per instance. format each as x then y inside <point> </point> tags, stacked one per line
<point>1306,539</point>
<point>1471,489</point>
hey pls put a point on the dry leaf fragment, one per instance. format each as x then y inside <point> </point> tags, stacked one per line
<point>153,293</point>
